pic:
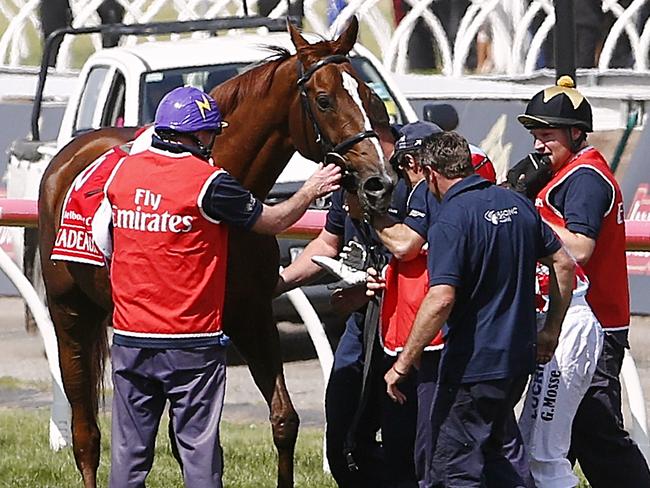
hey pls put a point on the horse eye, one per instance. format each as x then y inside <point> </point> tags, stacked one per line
<point>323,102</point>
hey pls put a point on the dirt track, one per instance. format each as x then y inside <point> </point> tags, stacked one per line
<point>22,358</point>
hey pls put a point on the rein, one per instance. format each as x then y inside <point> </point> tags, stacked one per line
<point>333,153</point>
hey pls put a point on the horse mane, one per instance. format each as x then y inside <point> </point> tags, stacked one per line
<point>253,83</point>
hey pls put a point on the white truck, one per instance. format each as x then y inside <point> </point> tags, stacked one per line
<point>122,86</point>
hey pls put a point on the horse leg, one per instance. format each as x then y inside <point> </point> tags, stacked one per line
<point>256,336</point>
<point>81,337</point>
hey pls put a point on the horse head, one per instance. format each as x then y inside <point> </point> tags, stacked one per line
<point>345,117</point>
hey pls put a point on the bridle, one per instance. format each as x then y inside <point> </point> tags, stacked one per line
<point>332,152</point>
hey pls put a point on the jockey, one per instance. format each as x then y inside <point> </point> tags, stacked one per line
<point>581,200</point>
<point>170,208</point>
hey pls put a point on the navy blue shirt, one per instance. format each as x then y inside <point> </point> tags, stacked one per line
<point>487,240</point>
<point>583,199</point>
<point>422,209</point>
<point>339,223</point>
<point>227,201</point>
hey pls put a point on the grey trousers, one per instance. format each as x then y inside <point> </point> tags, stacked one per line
<point>193,381</point>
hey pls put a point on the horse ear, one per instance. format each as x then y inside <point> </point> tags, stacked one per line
<point>377,109</point>
<point>346,40</point>
<point>298,41</point>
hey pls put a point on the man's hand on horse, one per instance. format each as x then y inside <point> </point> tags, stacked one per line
<point>374,282</point>
<point>325,180</point>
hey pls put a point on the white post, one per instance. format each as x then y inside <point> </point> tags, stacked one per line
<point>323,350</point>
<point>60,414</point>
<point>636,402</point>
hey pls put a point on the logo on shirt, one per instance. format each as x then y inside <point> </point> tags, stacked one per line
<point>250,205</point>
<point>620,214</point>
<point>416,213</point>
<point>497,217</point>
<point>146,217</point>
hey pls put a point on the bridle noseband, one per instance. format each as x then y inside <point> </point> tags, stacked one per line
<point>331,152</point>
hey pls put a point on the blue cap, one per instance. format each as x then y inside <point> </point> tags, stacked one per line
<point>411,135</point>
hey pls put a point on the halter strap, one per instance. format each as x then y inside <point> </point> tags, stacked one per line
<point>333,59</point>
<point>326,145</point>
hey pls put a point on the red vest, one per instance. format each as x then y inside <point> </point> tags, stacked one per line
<point>407,283</point>
<point>543,285</point>
<point>608,293</point>
<point>168,270</point>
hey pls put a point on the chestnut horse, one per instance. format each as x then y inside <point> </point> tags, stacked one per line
<point>312,102</point>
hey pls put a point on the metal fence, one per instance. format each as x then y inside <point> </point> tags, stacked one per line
<point>513,31</point>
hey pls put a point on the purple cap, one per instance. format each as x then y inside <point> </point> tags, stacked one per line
<point>188,109</point>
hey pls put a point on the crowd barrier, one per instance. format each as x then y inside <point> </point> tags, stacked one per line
<point>514,30</point>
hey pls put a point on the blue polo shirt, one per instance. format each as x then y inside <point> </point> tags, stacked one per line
<point>583,198</point>
<point>487,240</point>
<point>422,208</point>
<point>338,221</point>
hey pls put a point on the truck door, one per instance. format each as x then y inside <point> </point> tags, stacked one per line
<point>102,100</point>
<point>113,112</point>
<point>87,117</point>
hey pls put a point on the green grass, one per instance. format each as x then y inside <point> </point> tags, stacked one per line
<point>249,455</point>
<point>11,383</point>
<point>250,459</point>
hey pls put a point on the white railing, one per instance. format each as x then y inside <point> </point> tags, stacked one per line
<point>516,29</point>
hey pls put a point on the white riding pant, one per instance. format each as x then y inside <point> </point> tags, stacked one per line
<point>554,393</point>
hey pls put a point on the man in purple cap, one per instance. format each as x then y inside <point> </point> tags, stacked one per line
<point>171,209</point>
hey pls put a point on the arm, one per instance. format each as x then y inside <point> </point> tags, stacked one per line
<point>431,316</point>
<point>277,218</point>
<point>562,274</point>
<point>303,270</point>
<point>346,301</point>
<point>402,241</point>
<point>579,246</point>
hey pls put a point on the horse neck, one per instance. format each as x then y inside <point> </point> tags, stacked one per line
<point>265,130</point>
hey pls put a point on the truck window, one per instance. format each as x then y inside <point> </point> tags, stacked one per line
<point>156,84</point>
<point>90,97</point>
<point>113,115</point>
<point>373,79</point>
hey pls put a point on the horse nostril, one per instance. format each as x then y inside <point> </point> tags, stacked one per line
<point>376,185</point>
<point>377,192</point>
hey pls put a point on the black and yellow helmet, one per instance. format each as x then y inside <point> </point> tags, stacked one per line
<point>558,106</point>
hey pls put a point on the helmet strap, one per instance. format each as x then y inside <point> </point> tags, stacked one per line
<point>576,143</point>
<point>203,151</point>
